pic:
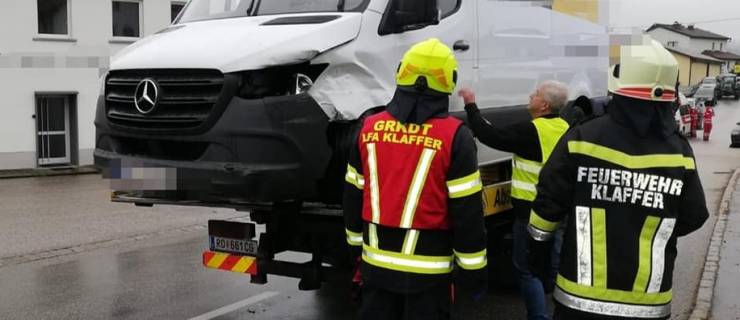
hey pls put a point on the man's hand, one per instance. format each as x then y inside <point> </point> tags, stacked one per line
<point>467,95</point>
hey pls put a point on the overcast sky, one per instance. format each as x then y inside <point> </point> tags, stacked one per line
<point>643,13</point>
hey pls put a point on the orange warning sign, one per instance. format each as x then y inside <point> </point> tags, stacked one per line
<point>230,262</point>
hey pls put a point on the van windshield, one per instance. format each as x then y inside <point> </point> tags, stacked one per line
<point>198,10</point>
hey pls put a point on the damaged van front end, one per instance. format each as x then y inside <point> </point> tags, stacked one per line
<point>227,109</point>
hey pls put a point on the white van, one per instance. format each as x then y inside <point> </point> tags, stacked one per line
<point>256,94</point>
<point>254,102</point>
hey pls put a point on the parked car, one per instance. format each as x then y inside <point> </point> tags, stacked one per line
<point>735,137</point>
<point>728,86</point>
<point>706,94</point>
<point>691,90</point>
<point>713,83</point>
<point>709,80</point>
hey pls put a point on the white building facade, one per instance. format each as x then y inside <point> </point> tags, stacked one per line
<point>53,57</point>
<point>677,40</point>
<point>705,44</point>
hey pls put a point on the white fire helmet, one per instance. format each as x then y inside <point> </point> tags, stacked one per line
<point>647,72</point>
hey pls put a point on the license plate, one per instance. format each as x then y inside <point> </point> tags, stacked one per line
<point>244,247</point>
<point>496,198</point>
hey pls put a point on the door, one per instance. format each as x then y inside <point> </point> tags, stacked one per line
<point>53,130</point>
<point>456,29</point>
<point>513,51</point>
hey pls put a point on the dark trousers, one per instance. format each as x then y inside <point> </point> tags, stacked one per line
<point>530,287</point>
<point>565,313</point>
<point>432,304</point>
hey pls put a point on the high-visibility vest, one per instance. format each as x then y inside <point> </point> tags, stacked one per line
<point>405,172</point>
<point>405,191</point>
<point>525,173</point>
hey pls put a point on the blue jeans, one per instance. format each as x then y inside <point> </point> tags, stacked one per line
<point>530,287</point>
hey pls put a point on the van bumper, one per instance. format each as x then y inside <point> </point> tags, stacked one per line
<point>259,150</point>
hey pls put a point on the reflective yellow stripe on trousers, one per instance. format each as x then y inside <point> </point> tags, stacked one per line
<point>407,262</point>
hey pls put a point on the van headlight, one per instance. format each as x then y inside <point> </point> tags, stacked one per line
<point>279,81</point>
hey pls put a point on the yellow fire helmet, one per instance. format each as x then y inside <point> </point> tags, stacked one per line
<point>647,72</point>
<point>433,60</point>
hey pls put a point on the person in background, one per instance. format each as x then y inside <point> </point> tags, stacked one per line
<point>531,142</point>
<point>708,115</point>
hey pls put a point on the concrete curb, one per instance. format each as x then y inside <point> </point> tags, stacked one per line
<point>703,302</point>
<point>46,172</point>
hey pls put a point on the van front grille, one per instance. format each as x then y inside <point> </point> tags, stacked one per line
<point>186,97</point>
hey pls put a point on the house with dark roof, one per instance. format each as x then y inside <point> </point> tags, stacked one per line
<point>730,59</point>
<point>694,65</point>
<point>700,53</point>
<point>687,36</point>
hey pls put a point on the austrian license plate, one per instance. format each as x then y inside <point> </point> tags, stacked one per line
<point>236,246</point>
<point>496,198</point>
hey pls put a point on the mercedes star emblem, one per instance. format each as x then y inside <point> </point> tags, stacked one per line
<point>146,96</point>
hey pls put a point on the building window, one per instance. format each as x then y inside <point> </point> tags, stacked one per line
<point>712,45</point>
<point>672,43</point>
<point>720,46</point>
<point>126,18</point>
<point>175,9</point>
<point>53,16</point>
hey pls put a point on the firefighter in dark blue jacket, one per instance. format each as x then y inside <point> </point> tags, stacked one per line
<point>628,184</point>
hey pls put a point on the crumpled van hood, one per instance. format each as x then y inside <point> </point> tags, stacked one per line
<point>238,44</point>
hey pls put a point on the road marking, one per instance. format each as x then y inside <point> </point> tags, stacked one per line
<point>236,305</point>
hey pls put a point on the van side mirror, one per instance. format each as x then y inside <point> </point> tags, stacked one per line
<point>406,15</point>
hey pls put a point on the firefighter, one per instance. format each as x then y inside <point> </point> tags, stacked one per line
<point>531,142</point>
<point>708,115</point>
<point>694,116</point>
<point>413,204</point>
<point>628,185</point>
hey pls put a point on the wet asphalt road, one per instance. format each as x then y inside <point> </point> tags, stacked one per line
<point>66,252</point>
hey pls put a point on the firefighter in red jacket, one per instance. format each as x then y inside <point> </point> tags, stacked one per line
<point>412,204</point>
<point>694,116</point>
<point>708,115</point>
